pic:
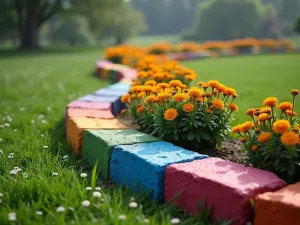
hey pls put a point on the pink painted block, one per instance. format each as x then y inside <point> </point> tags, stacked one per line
<point>227,187</point>
<point>90,105</point>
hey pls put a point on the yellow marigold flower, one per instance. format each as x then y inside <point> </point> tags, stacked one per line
<point>263,117</point>
<point>150,83</point>
<point>285,106</point>
<point>264,137</point>
<point>250,112</point>
<point>140,109</point>
<point>265,110</point>
<point>188,107</point>
<point>254,148</point>
<point>148,88</point>
<point>141,95</point>
<point>123,111</point>
<point>230,91</point>
<point>179,97</point>
<point>163,85</point>
<point>290,113</point>
<point>294,92</point>
<point>195,92</point>
<point>150,99</point>
<point>133,96</point>
<point>205,86</point>
<point>125,98</point>
<point>246,126</point>
<point>222,88</point>
<point>270,101</point>
<point>290,138</point>
<point>233,107</point>
<point>214,83</point>
<point>170,114</point>
<point>243,139</point>
<point>281,126</point>
<point>218,104</point>
<point>236,129</point>
<point>175,83</point>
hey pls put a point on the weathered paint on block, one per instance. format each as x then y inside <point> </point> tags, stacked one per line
<point>76,126</point>
<point>116,104</point>
<point>226,186</point>
<point>98,145</point>
<point>143,165</point>
<point>110,92</point>
<point>278,208</point>
<point>90,105</point>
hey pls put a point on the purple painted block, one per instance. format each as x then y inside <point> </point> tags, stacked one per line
<point>90,105</point>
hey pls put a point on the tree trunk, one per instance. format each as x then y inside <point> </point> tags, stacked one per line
<point>30,34</point>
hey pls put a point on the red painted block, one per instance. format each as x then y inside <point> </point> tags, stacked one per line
<point>90,105</point>
<point>227,187</point>
<point>278,208</point>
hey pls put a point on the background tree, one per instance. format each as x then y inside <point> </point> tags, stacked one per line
<point>297,25</point>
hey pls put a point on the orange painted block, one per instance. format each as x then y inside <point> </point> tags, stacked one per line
<point>76,126</point>
<point>278,208</point>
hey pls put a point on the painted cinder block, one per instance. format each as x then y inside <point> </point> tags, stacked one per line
<point>98,145</point>
<point>116,104</point>
<point>76,126</point>
<point>142,166</point>
<point>119,86</point>
<point>126,80</point>
<point>279,208</point>
<point>110,92</point>
<point>102,67</point>
<point>90,105</point>
<point>227,187</point>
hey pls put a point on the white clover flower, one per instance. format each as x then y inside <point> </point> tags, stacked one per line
<point>11,155</point>
<point>12,216</point>
<point>55,174</point>
<point>97,194</point>
<point>175,221</point>
<point>6,124</point>
<point>60,209</point>
<point>18,169</point>
<point>44,121</point>
<point>41,116</point>
<point>13,172</point>
<point>122,217</point>
<point>45,147</point>
<point>83,175</point>
<point>146,220</point>
<point>88,188</point>
<point>97,188</point>
<point>133,205</point>
<point>40,213</point>
<point>86,203</point>
<point>32,121</point>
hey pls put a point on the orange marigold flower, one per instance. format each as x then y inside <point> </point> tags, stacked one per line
<point>233,107</point>
<point>188,107</point>
<point>290,138</point>
<point>150,83</point>
<point>243,139</point>
<point>175,83</point>
<point>218,104</point>
<point>190,77</point>
<point>123,111</point>
<point>200,83</point>
<point>230,91</point>
<point>222,88</point>
<point>246,126</point>
<point>264,137</point>
<point>209,111</point>
<point>163,85</point>
<point>150,99</point>
<point>294,92</point>
<point>141,95</point>
<point>140,109</point>
<point>134,83</point>
<point>125,98</point>
<point>290,113</point>
<point>250,112</point>
<point>204,85</point>
<point>214,83</point>
<point>263,117</point>
<point>285,106</point>
<point>162,96</point>
<point>148,88</point>
<point>265,110</point>
<point>281,126</point>
<point>254,148</point>
<point>195,92</point>
<point>296,128</point>
<point>207,94</point>
<point>170,114</point>
<point>270,101</point>
<point>236,129</point>
<point>179,97</point>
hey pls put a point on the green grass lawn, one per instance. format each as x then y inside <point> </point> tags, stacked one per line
<point>254,77</point>
<point>34,90</point>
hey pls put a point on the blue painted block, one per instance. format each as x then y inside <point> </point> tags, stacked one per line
<point>110,92</point>
<point>116,104</point>
<point>120,86</point>
<point>142,166</point>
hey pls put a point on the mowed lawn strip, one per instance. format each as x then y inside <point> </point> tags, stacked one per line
<point>254,77</point>
<point>34,90</point>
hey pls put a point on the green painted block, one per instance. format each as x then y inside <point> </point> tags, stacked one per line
<point>113,76</point>
<point>97,145</point>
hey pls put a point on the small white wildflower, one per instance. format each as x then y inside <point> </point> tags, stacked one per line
<point>17,168</point>
<point>41,116</point>
<point>133,205</point>
<point>22,109</point>
<point>55,174</point>
<point>83,175</point>
<point>45,147</point>
<point>146,220</point>
<point>1,195</point>
<point>1,151</point>
<point>88,188</point>
<point>32,121</point>
<point>25,175</point>
<point>12,216</point>
<point>86,203</point>
<point>15,130</point>
<point>42,135</point>
<point>60,209</point>
<point>13,172</point>
<point>44,121</point>
<point>97,188</point>
<point>39,213</point>
<point>9,119</point>
<point>175,221</point>
<point>6,124</point>
<point>49,108</point>
<point>122,217</point>
<point>97,194</point>
<point>1,126</point>
<point>11,155</point>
